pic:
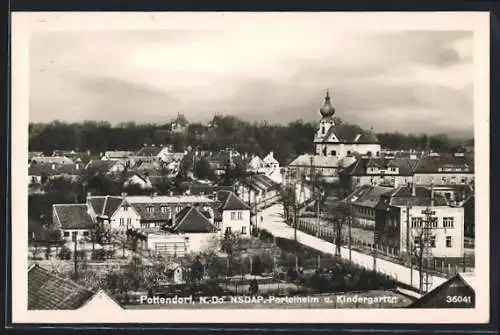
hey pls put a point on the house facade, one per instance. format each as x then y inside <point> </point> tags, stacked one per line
<point>73,220</point>
<point>444,169</point>
<point>401,218</point>
<point>235,214</point>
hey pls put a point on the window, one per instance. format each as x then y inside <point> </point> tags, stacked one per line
<point>432,241</point>
<point>369,153</point>
<point>448,222</point>
<point>240,215</point>
<point>448,241</point>
<point>434,222</point>
<point>164,209</point>
<point>85,233</point>
<point>228,230</point>
<point>333,153</point>
<point>66,234</point>
<point>125,208</point>
<point>233,216</point>
<point>150,209</point>
<point>416,222</point>
<point>122,222</point>
<point>243,230</point>
<point>323,129</point>
<point>348,152</point>
<point>324,151</point>
<point>129,222</point>
<point>378,153</point>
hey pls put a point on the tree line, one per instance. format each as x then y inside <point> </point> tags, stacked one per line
<point>286,141</point>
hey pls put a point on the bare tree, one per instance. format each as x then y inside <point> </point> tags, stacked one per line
<point>421,244</point>
<point>339,216</point>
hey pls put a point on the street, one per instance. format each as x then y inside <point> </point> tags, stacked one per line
<point>274,223</point>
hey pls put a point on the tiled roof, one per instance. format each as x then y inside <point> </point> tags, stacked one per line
<point>230,201</point>
<point>99,165</point>
<point>47,290</point>
<point>147,215</point>
<point>260,182</point>
<point>118,154</point>
<point>367,195</point>
<point>111,205</point>
<point>317,161</point>
<point>359,168</point>
<point>52,159</point>
<point>402,196</point>
<point>367,137</point>
<point>49,169</point>
<point>199,189</point>
<point>72,216</point>
<point>149,151</point>
<point>433,164</point>
<point>165,199</point>
<point>97,203</point>
<point>190,220</point>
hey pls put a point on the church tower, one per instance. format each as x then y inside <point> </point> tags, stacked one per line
<point>326,131</point>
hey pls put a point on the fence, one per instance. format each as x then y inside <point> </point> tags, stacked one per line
<point>436,266</point>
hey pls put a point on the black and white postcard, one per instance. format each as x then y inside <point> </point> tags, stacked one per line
<point>250,167</point>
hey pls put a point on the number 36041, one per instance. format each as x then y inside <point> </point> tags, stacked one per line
<point>452,299</point>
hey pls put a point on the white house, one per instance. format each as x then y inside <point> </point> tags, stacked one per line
<point>140,180</point>
<point>191,232</point>
<point>115,212</point>
<point>73,220</point>
<point>235,214</point>
<point>271,168</point>
<point>400,219</point>
<point>254,163</point>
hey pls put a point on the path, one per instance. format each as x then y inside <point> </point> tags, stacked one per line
<point>274,223</point>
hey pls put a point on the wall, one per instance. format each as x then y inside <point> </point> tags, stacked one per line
<point>236,225</point>
<point>125,214</point>
<point>444,178</point>
<point>182,243</point>
<point>343,150</point>
<point>79,234</point>
<point>456,233</point>
<point>377,180</point>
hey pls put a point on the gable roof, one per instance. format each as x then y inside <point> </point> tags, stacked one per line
<point>367,195</point>
<point>190,220</point>
<point>402,196</point>
<point>359,167</point>
<point>47,290</point>
<point>317,161</point>
<point>100,165</point>
<point>440,164</point>
<point>230,201</point>
<point>72,216</point>
<point>366,137</point>
<point>149,151</point>
<point>52,159</point>
<point>466,279</point>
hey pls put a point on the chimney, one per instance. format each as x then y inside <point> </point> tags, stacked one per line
<point>171,193</point>
<point>89,195</point>
<point>53,166</point>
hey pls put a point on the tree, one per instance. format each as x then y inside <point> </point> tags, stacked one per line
<point>254,287</point>
<point>196,270</point>
<point>202,170</point>
<point>339,216</point>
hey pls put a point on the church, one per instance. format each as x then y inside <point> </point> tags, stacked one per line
<point>328,143</point>
<point>331,151</point>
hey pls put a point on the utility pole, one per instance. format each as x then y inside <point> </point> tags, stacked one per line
<point>408,245</point>
<point>74,254</point>
<point>349,223</point>
<point>426,237</point>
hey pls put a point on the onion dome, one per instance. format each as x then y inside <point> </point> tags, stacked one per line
<point>327,109</point>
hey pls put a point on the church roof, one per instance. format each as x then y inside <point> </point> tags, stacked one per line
<point>317,161</point>
<point>367,137</point>
<point>327,109</point>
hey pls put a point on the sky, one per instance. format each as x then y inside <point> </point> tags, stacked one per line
<point>408,81</point>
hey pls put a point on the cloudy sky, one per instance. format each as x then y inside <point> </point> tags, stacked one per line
<point>410,81</point>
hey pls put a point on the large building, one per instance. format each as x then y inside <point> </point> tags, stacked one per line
<point>327,141</point>
<point>332,152</point>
